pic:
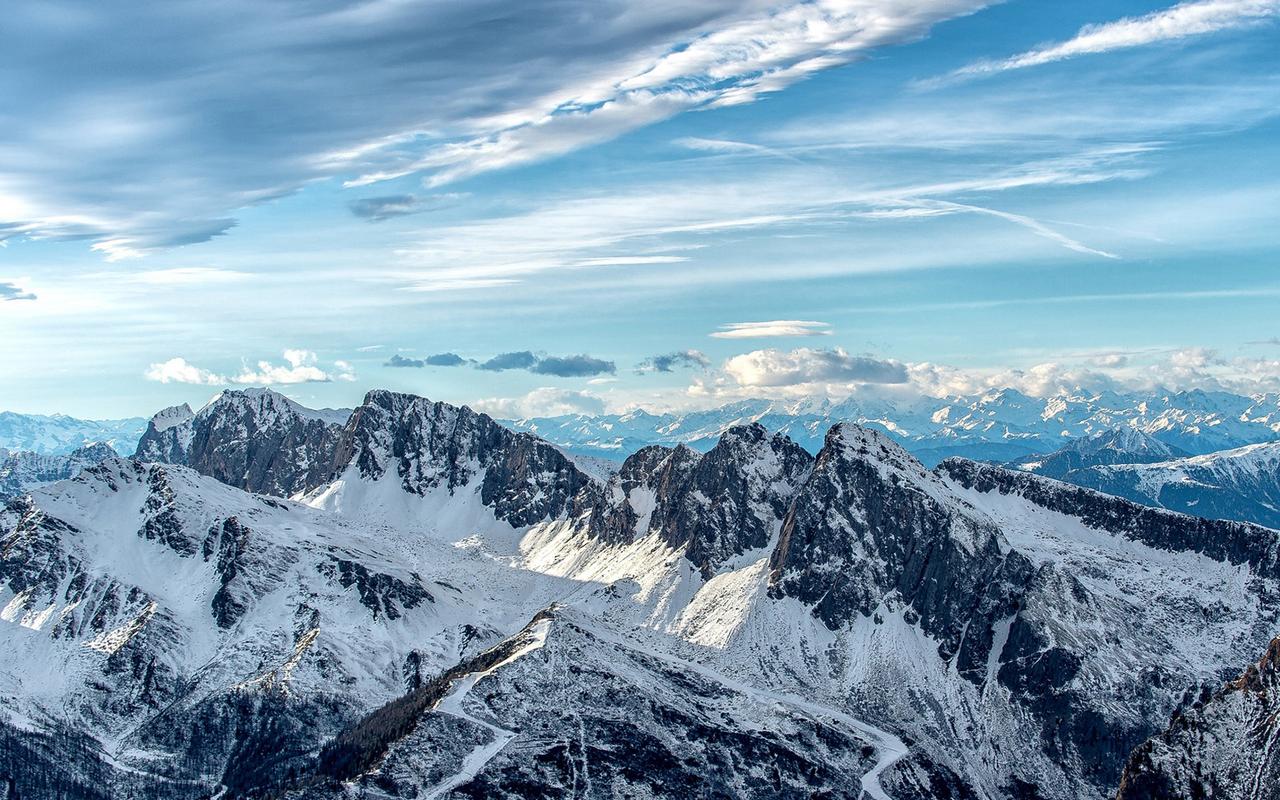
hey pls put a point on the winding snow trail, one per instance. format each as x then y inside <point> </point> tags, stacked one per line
<point>451,704</point>
<point>889,747</point>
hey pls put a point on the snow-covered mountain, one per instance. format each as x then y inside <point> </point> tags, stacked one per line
<point>1004,425</point>
<point>457,610</point>
<point>1241,484</point>
<point>26,470</point>
<point>59,434</point>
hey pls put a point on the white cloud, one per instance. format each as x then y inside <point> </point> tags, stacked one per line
<point>1178,22</point>
<point>179,276</point>
<point>1109,360</point>
<point>772,368</point>
<point>1195,358</point>
<point>177,370</point>
<point>770,328</point>
<point>588,231</point>
<point>736,62</point>
<point>300,366</point>
<point>546,401</point>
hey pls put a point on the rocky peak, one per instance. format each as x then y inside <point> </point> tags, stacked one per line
<point>1128,442</point>
<point>24,470</point>
<point>872,524</point>
<point>253,439</point>
<point>428,445</point>
<point>713,506</point>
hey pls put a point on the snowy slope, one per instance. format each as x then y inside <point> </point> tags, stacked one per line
<point>137,600</point>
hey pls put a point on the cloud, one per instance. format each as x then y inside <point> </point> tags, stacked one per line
<point>209,117</point>
<point>582,232</point>
<point>522,359</point>
<point>777,327</point>
<point>579,366</point>
<point>437,360</point>
<point>300,366</point>
<point>1033,225</point>
<point>177,370</point>
<point>10,291</point>
<point>1109,360</point>
<point>445,360</point>
<point>1177,22</point>
<point>544,402</point>
<point>1195,358</point>
<point>377,209</point>
<point>667,362</point>
<point>400,361</point>
<point>772,368</point>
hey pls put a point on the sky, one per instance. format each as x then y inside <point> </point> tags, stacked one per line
<point>596,205</point>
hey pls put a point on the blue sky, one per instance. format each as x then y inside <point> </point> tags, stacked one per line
<point>655,204</point>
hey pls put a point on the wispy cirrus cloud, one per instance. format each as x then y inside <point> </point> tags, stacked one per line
<point>586,232</point>
<point>772,328</point>
<point>1181,21</point>
<point>198,112</point>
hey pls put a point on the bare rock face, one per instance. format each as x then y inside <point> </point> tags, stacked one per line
<point>253,439</point>
<point>714,506</point>
<point>1226,744</point>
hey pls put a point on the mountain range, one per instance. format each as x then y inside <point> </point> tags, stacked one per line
<point>412,599</point>
<point>1000,425</point>
<point>1241,484</point>
<point>59,434</point>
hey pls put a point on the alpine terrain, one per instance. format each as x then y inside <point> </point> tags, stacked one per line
<point>412,600</point>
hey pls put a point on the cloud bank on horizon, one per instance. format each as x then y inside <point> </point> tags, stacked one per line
<point>727,198</point>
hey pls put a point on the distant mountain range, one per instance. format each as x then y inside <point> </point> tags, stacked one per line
<point>25,470</point>
<point>1003,426</point>
<point>1241,484</point>
<point>59,434</point>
